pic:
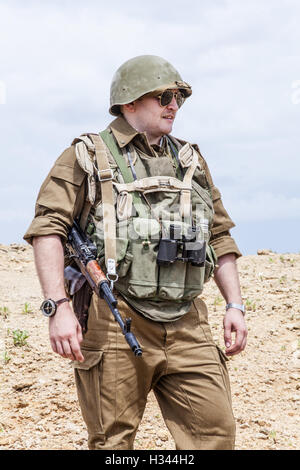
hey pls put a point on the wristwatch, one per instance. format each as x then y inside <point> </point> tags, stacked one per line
<point>49,306</point>
<point>237,306</point>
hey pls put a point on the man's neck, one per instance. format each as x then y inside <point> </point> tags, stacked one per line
<point>152,139</point>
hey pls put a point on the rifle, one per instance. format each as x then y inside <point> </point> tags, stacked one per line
<point>84,252</point>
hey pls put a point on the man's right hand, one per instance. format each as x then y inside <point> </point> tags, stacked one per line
<point>65,333</point>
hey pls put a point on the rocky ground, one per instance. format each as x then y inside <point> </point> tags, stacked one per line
<point>39,407</point>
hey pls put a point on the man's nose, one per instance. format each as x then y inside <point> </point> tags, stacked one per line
<point>173,105</point>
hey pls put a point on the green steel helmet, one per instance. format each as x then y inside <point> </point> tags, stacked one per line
<point>141,75</point>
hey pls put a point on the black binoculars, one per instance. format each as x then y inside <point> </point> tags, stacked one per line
<point>193,251</point>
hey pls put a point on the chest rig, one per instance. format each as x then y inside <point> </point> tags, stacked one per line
<point>152,233</point>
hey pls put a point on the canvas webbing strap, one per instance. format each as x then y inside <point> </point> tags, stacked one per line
<point>84,145</point>
<point>109,140</point>
<point>105,175</point>
<point>166,184</point>
<point>174,151</point>
<point>154,183</point>
<point>185,199</point>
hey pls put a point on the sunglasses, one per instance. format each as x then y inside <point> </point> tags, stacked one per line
<point>167,96</point>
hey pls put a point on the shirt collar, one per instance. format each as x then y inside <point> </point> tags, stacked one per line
<point>123,131</point>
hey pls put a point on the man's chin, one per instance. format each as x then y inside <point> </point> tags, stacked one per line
<point>167,127</point>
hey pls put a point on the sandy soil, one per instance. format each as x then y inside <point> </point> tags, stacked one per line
<point>39,408</point>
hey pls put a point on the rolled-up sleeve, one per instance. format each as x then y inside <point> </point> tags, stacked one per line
<point>221,240</point>
<point>60,198</point>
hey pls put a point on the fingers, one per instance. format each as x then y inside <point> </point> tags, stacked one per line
<point>227,335</point>
<point>75,348</point>
<point>68,346</point>
<point>244,342</point>
<point>239,344</point>
<point>53,345</point>
<point>68,349</point>
<point>234,323</point>
<point>62,347</point>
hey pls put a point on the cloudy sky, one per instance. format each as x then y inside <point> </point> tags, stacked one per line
<point>241,57</point>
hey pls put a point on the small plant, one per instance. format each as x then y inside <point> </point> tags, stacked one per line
<point>4,311</point>
<point>27,308</point>
<point>218,300</point>
<point>281,259</point>
<point>19,337</point>
<point>282,280</point>
<point>272,435</point>
<point>250,305</point>
<point>6,357</point>
<point>271,260</point>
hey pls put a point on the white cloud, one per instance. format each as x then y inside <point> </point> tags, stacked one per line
<point>2,92</point>
<point>242,59</point>
<point>264,206</point>
<point>295,95</point>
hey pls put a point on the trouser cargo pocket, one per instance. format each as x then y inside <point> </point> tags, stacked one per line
<point>87,376</point>
<point>224,372</point>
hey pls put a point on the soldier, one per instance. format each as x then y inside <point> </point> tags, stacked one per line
<point>159,241</point>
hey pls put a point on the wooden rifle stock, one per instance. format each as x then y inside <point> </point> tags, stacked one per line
<point>83,251</point>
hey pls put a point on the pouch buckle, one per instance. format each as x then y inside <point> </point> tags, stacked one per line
<point>111,275</point>
<point>165,183</point>
<point>105,175</point>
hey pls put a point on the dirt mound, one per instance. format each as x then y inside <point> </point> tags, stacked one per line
<point>39,408</point>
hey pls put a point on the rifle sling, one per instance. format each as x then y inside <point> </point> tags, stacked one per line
<point>108,203</point>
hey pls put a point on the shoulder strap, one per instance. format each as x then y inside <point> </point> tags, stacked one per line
<point>84,148</point>
<point>109,140</point>
<point>192,158</point>
<point>175,146</point>
<point>105,175</point>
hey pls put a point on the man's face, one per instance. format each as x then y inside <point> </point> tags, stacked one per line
<point>152,118</point>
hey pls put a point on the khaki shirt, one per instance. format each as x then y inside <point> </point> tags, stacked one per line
<point>62,195</point>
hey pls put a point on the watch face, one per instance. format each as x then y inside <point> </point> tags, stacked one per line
<point>48,307</point>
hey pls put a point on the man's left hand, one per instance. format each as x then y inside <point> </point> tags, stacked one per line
<point>234,322</point>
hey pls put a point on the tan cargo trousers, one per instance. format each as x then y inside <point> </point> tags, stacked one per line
<point>180,363</point>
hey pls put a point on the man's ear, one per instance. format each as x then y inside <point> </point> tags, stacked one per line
<point>129,107</point>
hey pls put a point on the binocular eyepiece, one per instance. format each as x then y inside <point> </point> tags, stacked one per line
<point>193,250</point>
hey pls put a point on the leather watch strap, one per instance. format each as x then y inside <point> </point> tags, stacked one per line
<point>60,301</point>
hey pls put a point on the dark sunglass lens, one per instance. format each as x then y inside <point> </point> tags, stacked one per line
<point>180,99</point>
<point>166,97</point>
